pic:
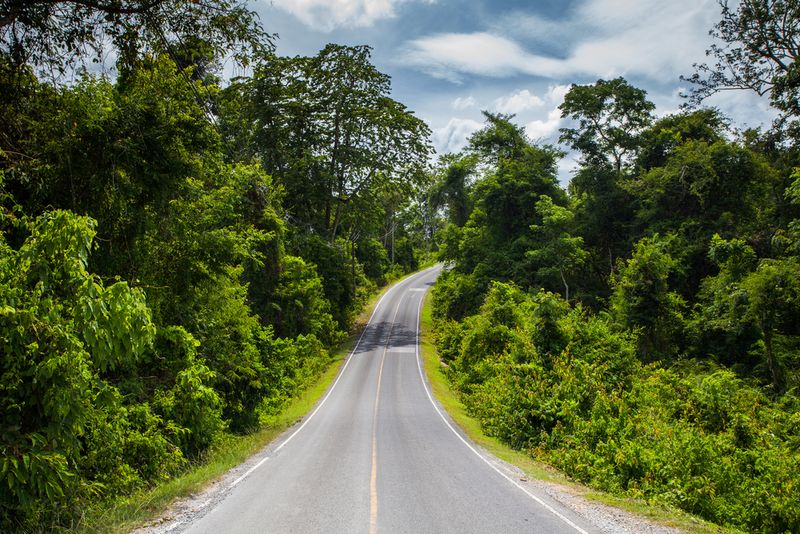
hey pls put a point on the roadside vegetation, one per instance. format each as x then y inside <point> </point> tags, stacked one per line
<point>179,258</point>
<point>536,467</point>
<point>639,331</point>
<point>180,255</point>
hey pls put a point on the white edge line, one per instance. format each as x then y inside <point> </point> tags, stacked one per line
<point>247,473</point>
<point>322,402</point>
<point>478,454</point>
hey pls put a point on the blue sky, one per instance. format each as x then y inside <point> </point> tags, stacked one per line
<point>450,59</point>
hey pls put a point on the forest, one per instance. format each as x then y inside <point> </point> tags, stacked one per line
<point>181,253</point>
<point>640,331</point>
<point>179,256</point>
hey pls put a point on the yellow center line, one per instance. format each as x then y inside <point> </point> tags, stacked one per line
<point>373,482</point>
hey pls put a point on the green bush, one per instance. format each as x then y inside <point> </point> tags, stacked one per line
<point>375,259</point>
<point>67,433</point>
<point>569,387</point>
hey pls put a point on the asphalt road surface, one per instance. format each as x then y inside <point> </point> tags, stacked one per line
<point>378,456</point>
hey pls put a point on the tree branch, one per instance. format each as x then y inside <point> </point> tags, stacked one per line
<point>17,8</point>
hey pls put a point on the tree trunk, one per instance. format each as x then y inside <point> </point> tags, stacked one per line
<point>336,219</point>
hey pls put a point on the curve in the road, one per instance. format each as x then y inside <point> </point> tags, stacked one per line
<point>374,457</point>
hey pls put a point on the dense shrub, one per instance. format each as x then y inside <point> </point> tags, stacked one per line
<point>98,401</point>
<point>569,387</point>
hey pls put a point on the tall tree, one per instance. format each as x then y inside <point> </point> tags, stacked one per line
<point>759,51</point>
<point>610,115</point>
<point>643,298</point>
<point>331,129</point>
<point>556,254</point>
<point>451,189</point>
<point>55,34</point>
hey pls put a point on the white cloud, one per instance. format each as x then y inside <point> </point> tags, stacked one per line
<point>450,55</point>
<point>542,129</point>
<point>659,43</point>
<point>566,168</point>
<point>517,102</point>
<point>327,15</point>
<point>545,128</point>
<point>453,136</point>
<point>461,104</point>
<point>557,93</point>
<point>604,38</point>
<point>531,27</point>
<point>746,108</point>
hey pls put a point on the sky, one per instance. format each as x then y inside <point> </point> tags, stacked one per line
<point>449,59</point>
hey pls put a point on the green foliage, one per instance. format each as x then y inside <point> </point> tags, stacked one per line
<point>326,126</point>
<point>659,141</point>
<point>194,406</point>
<point>502,228</point>
<point>757,53</point>
<point>61,331</point>
<point>374,257</point>
<point>177,258</point>
<point>451,187</point>
<point>154,293</point>
<point>713,183</point>
<point>568,387</point>
<point>57,34</point>
<point>642,298</point>
<point>669,371</point>
<point>300,305</point>
<point>747,314</point>
<point>678,386</point>
<point>334,267</point>
<point>556,254</point>
<point>610,114</point>
<point>455,295</point>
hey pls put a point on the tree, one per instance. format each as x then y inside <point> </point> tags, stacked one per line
<point>659,141</point>
<point>610,116</point>
<point>493,243</point>
<point>715,184</point>
<point>556,251</point>
<point>760,52</point>
<point>451,188</point>
<point>55,34</point>
<point>643,300</point>
<point>605,218</point>
<point>331,130</point>
<point>748,307</point>
<point>500,139</point>
<point>117,152</point>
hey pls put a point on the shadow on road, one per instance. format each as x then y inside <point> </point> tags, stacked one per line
<point>375,337</point>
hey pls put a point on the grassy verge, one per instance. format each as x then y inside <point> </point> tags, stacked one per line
<point>141,508</point>
<point>538,470</point>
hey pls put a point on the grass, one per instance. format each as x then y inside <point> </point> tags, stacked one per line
<point>448,398</point>
<point>145,507</point>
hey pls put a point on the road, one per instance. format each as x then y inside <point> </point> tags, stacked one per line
<point>378,456</point>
